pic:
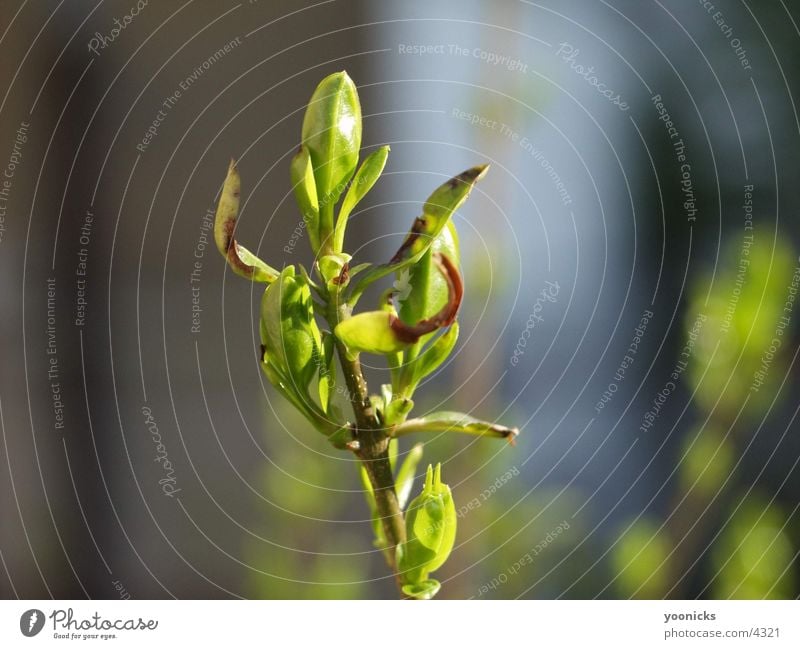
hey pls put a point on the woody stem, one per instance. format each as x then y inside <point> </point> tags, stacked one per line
<point>373,442</point>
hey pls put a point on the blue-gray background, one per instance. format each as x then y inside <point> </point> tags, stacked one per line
<point>703,503</point>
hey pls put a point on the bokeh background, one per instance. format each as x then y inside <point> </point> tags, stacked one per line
<point>656,397</point>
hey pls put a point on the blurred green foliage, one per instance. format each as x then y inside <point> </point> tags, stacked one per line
<point>745,304</point>
<point>738,359</point>
<point>753,556</point>
<point>706,463</point>
<point>640,561</point>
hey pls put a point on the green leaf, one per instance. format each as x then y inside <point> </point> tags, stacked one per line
<point>377,526</point>
<point>305,193</point>
<point>405,477</point>
<point>240,259</point>
<point>327,371</point>
<point>289,333</point>
<point>432,357</point>
<point>332,134</point>
<point>393,450</point>
<point>355,270</point>
<point>427,289</point>
<point>397,410</point>
<point>363,181</point>
<point>287,389</point>
<point>371,331</point>
<point>386,393</point>
<point>436,213</point>
<point>454,422</point>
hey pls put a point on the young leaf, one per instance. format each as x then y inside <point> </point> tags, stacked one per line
<point>327,371</point>
<point>332,134</point>
<point>305,193</point>
<point>454,422</point>
<point>365,178</point>
<point>335,270</point>
<point>436,213</point>
<point>397,410</point>
<point>430,530</point>
<point>377,527</point>
<point>448,523</point>
<point>430,359</point>
<point>240,259</point>
<point>289,333</point>
<point>286,387</point>
<point>370,332</point>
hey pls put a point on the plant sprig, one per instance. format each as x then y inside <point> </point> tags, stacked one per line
<point>416,336</point>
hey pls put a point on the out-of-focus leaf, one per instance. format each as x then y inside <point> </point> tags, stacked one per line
<point>753,556</point>
<point>640,561</point>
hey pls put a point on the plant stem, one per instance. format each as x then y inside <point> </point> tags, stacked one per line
<point>373,442</point>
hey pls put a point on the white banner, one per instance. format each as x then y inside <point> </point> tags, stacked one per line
<point>388,624</point>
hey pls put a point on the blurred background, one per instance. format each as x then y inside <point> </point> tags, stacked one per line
<point>644,174</point>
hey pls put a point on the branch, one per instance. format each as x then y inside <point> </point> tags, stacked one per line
<point>371,441</point>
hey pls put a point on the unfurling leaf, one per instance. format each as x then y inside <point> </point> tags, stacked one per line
<point>428,288</point>
<point>455,422</point>
<point>430,532</point>
<point>240,259</point>
<point>436,213</point>
<point>365,178</point>
<point>332,134</point>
